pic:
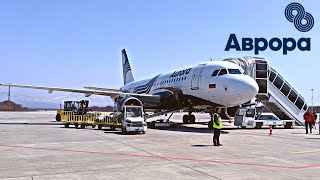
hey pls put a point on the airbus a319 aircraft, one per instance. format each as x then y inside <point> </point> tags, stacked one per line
<point>203,86</point>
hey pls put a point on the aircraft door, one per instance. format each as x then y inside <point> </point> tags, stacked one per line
<point>196,77</point>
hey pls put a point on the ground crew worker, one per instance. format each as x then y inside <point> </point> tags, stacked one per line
<point>217,125</point>
<point>309,120</point>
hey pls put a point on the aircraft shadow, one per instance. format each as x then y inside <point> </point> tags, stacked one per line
<point>118,132</point>
<point>299,133</point>
<point>202,145</point>
<point>190,129</point>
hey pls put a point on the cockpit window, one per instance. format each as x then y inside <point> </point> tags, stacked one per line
<point>215,72</point>
<point>234,71</point>
<point>223,72</point>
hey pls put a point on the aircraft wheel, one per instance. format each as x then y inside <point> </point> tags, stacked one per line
<point>185,119</point>
<point>192,119</point>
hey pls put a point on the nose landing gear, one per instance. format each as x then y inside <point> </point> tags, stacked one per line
<point>189,119</point>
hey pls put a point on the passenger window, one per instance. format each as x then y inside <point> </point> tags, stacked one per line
<point>293,96</point>
<point>285,89</point>
<point>215,72</point>
<point>272,76</point>
<point>223,72</point>
<point>278,82</point>
<point>299,103</point>
<point>234,71</point>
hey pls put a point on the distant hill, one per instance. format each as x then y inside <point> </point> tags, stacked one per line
<point>4,106</point>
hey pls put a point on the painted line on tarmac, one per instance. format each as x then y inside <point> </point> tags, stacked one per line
<point>304,152</point>
<point>162,157</point>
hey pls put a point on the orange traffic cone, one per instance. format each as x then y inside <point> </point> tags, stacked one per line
<point>270,130</point>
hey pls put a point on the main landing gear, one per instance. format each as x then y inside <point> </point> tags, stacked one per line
<point>189,119</point>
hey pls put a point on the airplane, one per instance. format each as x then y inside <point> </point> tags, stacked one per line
<point>204,86</point>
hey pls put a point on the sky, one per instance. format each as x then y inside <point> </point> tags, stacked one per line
<point>77,43</point>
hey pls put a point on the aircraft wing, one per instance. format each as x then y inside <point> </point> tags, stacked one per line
<point>88,92</point>
<point>102,89</point>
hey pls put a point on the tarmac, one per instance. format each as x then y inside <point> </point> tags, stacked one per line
<point>34,146</point>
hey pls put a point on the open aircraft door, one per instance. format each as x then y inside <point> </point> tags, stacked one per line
<point>196,77</point>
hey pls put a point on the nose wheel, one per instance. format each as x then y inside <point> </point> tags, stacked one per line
<point>189,119</point>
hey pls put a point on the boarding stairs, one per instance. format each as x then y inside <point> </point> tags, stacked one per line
<point>274,91</point>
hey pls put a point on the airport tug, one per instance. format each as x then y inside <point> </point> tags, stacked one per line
<point>128,115</point>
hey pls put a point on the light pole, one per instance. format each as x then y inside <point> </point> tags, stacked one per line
<point>311,99</point>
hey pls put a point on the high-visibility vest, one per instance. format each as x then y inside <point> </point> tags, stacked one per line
<point>217,126</point>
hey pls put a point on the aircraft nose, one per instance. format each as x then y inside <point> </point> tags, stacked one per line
<point>249,90</point>
<point>246,89</point>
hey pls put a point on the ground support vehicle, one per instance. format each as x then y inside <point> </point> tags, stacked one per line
<point>161,123</point>
<point>84,120</point>
<point>110,121</point>
<point>248,117</point>
<point>76,113</point>
<point>128,116</point>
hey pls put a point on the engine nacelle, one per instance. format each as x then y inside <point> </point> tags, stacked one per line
<point>168,99</point>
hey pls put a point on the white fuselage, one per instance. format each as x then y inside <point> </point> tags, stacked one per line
<point>201,87</point>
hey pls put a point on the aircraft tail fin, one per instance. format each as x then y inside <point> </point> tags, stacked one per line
<point>127,72</point>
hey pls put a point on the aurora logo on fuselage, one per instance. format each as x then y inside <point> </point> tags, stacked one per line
<point>145,89</point>
<point>180,73</point>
